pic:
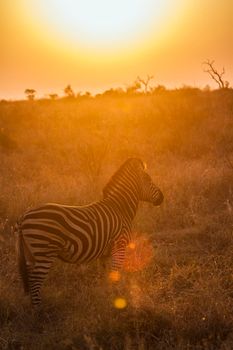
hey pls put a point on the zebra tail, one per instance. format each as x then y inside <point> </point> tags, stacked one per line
<point>21,258</point>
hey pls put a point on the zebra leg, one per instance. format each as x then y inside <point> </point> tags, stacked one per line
<point>36,276</point>
<point>118,258</point>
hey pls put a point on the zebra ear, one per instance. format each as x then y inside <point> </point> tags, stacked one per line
<point>140,164</point>
<point>135,163</point>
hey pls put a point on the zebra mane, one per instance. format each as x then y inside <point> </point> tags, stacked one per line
<point>131,163</point>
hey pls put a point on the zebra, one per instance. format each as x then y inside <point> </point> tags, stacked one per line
<point>78,234</point>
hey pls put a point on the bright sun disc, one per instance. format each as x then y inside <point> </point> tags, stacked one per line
<point>101,22</point>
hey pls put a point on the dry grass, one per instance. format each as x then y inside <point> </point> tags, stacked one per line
<point>178,281</point>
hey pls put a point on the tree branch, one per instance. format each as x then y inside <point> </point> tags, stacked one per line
<point>215,75</point>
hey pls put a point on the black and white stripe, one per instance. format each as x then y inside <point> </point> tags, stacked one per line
<point>77,234</point>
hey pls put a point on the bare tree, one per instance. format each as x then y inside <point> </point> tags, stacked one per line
<point>30,94</point>
<point>215,75</point>
<point>145,82</point>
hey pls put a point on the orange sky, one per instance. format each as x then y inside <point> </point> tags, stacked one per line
<point>46,45</point>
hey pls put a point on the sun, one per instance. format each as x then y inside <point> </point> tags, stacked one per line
<point>100,23</point>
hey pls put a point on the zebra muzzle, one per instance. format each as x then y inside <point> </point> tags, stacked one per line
<point>159,199</point>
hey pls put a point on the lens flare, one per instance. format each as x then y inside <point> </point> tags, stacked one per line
<point>132,245</point>
<point>139,254</point>
<point>114,276</point>
<point>120,303</point>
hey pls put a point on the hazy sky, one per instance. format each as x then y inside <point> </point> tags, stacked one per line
<point>98,44</point>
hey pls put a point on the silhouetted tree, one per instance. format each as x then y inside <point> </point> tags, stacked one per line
<point>53,96</point>
<point>158,89</point>
<point>69,92</point>
<point>133,89</point>
<point>87,94</point>
<point>215,75</point>
<point>78,95</point>
<point>30,94</point>
<point>206,88</point>
<point>145,82</point>
<point>113,92</point>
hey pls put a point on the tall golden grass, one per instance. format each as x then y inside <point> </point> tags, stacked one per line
<point>64,151</point>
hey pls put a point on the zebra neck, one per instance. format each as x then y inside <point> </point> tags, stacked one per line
<point>126,204</point>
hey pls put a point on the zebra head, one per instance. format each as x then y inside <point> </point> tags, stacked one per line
<point>149,192</point>
<point>133,178</point>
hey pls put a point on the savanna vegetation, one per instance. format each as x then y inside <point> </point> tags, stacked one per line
<point>177,288</point>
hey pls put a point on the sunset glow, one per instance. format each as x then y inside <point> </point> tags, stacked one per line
<point>97,45</point>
